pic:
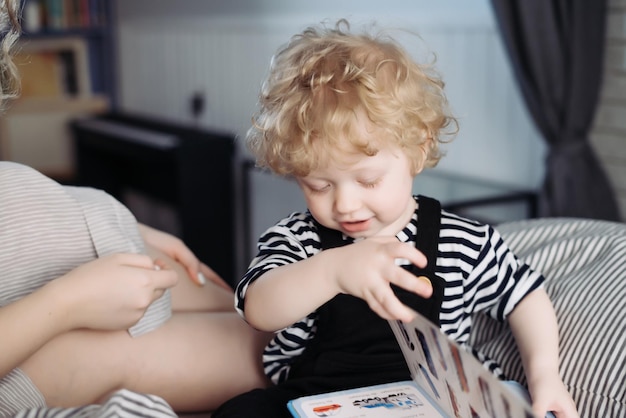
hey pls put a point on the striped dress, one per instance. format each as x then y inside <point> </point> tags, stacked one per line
<point>482,275</point>
<point>47,230</point>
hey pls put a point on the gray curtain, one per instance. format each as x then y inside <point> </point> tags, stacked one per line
<point>557,51</point>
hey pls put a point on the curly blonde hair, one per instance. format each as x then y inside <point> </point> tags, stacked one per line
<point>9,33</point>
<point>323,79</point>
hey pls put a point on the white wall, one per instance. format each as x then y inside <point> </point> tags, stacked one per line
<point>169,50</point>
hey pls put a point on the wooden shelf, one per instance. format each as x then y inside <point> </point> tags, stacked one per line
<point>58,104</point>
<point>36,132</point>
<point>66,61</point>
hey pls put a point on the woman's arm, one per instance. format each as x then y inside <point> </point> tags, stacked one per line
<point>110,293</point>
<point>534,326</point>
<point>26,325</point>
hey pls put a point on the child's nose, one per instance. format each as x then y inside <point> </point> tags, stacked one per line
<point>346,200</point>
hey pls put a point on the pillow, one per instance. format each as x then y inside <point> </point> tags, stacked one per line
<point>584,262</point>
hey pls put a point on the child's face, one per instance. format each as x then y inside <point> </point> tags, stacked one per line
<point>362,196</point>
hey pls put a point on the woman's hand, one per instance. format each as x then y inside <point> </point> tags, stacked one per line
<point>110,293</point>
<point>177,250</point>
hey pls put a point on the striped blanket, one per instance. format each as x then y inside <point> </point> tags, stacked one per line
<point>123,404</point>
<point>584,262</point>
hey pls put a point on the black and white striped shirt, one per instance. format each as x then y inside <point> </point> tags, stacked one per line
<point>480,271</point>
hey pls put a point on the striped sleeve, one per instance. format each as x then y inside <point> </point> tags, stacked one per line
<point>481,273</point>
<point>291,240</point>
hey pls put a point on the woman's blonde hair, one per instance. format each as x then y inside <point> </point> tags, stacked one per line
<point>323,79</point>
<point>9,33</point>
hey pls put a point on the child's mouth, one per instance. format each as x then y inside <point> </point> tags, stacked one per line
<point>358,226</point>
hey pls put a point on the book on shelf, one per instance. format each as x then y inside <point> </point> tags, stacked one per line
<point>41,74</point>
<point>447,382</point>
<point>63,15</point>
<point>53,68</point>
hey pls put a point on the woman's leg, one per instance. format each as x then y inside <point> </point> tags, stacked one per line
<point>188,296</point>
<point>204,355</point>
<point>195,362</point>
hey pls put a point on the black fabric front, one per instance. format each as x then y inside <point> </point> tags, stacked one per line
<point>353,346</point>
<point>352,343</point>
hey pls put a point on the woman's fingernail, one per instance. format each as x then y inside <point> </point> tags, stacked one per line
<point>159,265</point>
<point>426,280</point>
<point>201,279</point>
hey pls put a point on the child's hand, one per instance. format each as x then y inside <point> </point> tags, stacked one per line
<point>550,394</point>
<point>366,268</point>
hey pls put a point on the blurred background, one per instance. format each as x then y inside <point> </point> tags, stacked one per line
<point>176,70</point>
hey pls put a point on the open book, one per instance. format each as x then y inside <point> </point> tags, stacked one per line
<point>448,382</point>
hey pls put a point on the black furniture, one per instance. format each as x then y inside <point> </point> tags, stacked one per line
<point>189,169</point>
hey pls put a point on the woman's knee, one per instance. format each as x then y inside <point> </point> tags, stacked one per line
<point>79,367</point>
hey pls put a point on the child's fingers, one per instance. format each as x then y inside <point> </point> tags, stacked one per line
<point>398,311</point>
<point>419,285</point>
<point>389,307</point>
<point>402,313</point>
<point>406,251</point>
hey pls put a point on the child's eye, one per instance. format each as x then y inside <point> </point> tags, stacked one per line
<point>319,189</point>
<point>369,184</point>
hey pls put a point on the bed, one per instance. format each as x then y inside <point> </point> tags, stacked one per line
<point>584,262</point>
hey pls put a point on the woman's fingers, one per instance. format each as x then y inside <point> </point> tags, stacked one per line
<point>209,275</point>
<point>134,260</point>
<point>163,278</point>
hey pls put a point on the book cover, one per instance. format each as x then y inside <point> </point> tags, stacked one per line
<point>447,382</point>
<point>393,400</point>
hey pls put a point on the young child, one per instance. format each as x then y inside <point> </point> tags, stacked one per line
<point>354,119</point>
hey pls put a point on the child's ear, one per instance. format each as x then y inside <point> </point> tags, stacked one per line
<point>420,159</point>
